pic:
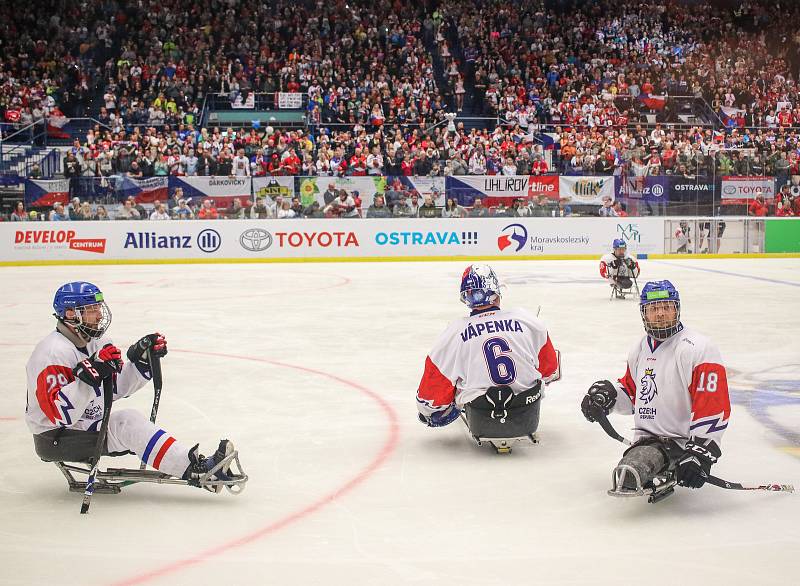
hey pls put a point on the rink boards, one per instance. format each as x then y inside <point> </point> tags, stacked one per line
<point>111,242</point>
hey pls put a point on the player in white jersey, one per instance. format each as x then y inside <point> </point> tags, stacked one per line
<point>487,360</point>
<point>618,268</point>
<point>65,403</point>
<point>676,387</point>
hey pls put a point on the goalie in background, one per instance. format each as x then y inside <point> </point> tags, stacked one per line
<point>619,269</point>
<point>492,364</point>
<point>65,401</point>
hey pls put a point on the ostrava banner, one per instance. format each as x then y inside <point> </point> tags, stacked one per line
<point>586,190</point>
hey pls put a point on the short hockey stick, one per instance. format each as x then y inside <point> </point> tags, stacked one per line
<point>609,429</point>
<point>109,385</point>
<point>155,371</point>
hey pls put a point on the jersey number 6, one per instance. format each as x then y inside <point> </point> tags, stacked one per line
<point>501,366</point>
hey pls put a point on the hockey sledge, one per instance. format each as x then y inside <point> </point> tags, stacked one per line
<point>501,419</point>
<point>113,480</point>
<point>658,489</point>
<point>619,292</point>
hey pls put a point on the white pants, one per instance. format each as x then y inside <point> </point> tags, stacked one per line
<point>129,430</point>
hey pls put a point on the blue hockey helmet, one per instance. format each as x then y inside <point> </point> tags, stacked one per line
<point>89,313</point>
<point>661,294</point>
<point>617,244</point>
<point>480,286</point>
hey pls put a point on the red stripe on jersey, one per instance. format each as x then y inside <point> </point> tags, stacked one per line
<point>48,384</point>
<point>165,446</point>
<point>548,359</point>
<point>603,269</point>
<point>709,391</point>
<point>628,385</point>
<point>435,387</point>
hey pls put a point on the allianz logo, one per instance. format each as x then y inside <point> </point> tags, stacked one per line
<point>207,240</point>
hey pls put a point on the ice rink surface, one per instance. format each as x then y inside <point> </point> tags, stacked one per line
<point>311,369</point>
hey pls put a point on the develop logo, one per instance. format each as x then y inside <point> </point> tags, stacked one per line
<point>53,239</point>
<point>516,232</point>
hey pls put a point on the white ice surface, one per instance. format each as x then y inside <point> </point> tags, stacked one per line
<point>311,370</point>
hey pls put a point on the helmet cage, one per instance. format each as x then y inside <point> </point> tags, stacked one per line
<point>661,333</point>
<point>78,322</point>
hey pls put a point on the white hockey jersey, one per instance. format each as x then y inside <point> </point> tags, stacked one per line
<point>488,348</point>
<point>56,398</point>
<point>677,388</point>
<point>609,268</point>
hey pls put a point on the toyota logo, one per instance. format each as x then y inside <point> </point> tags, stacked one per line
<point>255,239</point>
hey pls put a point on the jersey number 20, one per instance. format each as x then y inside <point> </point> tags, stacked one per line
<point>501,366</point>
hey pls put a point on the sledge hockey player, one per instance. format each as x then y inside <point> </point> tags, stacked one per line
<point>65,377</point>
<point>683,238</point>
<point>619,269</point>
<point>491,364</point>
<point>676,388</point>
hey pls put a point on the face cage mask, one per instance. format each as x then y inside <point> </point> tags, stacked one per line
<point>90,331</point>
<point>665,332</point>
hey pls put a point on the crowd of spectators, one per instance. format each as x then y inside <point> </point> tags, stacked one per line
<point>369,74</point>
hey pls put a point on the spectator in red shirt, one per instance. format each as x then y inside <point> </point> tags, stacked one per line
<point>207,211</point>
<point>539,166</point>
<point>758,207</point>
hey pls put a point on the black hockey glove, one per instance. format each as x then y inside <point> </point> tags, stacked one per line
<point>441,418</point>
<point>630,263</point>
<point>599,400</point>
<point>137,353</point>
<point>614,264</point>
<point>694,466</point>
<point>99,366</point>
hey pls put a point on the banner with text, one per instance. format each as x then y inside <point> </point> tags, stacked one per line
<point>738,190</point>
<point>586,190</point>
<point>286,239</point>
<point>223,190</point>
<point>653,188</point>
<point>500,188</point>
<point>273,187</point>
<point>290,100</point>
<point>46,192</point>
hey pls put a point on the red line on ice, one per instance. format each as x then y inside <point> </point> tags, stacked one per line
<point>387,448</point>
